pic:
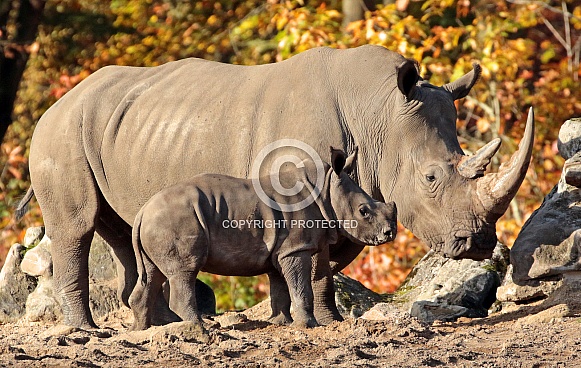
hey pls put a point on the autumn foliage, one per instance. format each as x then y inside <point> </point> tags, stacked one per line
<point>529,52</point>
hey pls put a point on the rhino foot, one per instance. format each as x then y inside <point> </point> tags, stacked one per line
<point>280,319</point>
<point>300,323</point>
<point>326,316</point>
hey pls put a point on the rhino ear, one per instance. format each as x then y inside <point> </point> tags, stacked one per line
<point>462,86</point>
<point>407,77</point>
<point>338,160</point>
<point>351,160</point>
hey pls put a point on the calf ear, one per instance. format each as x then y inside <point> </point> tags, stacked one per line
<point>462,86</point>
<point>350,162</point>
<point>407,77</point>
<point>338,160</point>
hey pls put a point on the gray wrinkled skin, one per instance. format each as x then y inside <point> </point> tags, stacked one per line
<point>125,133</point>
<point>187,228</point>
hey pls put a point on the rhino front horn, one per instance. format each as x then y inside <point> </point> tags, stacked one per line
<point>496,190</point>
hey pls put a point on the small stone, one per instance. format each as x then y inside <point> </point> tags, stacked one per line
<point>185,331</point>
<point>42,304</point>
<point>33,236</point>
<point>569,142</point>
<point>38,260</point>
<point>427,311</point>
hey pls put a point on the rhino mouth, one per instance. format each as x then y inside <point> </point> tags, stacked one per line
<point>472,246</point>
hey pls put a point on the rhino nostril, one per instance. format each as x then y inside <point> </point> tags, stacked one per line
<point>388,234</point>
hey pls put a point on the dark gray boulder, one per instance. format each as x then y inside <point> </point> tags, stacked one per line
<point>439,288</point>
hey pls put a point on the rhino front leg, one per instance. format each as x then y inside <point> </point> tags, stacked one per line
<point>280,300</point>
<point>325,308</point>
<point>296,269</point>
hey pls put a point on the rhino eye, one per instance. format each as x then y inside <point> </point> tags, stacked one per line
<point>430,178</point>
<point>364,211</point>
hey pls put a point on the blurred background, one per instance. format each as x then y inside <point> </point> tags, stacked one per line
<point>529,52</point>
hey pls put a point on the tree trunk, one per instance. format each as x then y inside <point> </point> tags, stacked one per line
<point>24,16</point>
<point>354,10</point>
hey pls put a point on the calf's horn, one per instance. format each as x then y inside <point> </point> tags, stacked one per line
<point>496,190</point>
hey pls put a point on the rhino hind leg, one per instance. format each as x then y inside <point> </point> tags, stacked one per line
<point>118,235</point>
<point>182,297</point>
<point>280,300</point>
<point>143,297</point>
<point>70,214</point>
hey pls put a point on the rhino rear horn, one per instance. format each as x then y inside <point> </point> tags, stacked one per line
<point>473,167</point>
<point>407,77</point>
<point>462,86</point>
<point>496,190</point>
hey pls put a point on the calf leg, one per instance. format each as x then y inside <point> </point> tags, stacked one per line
<point>325,308</point>
<point>182,297</point>
<point>280,300</point>
<point>296,269</point>
<point>143,298</point>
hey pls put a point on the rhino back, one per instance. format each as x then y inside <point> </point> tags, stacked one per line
<point>143,129</point>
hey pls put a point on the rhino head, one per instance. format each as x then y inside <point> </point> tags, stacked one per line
<point>367,221</point>
<point>444,196</point>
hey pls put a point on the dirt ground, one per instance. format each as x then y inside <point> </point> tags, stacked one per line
<point>508,339</point>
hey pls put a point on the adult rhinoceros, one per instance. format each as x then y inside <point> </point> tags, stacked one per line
<point>124,133</point>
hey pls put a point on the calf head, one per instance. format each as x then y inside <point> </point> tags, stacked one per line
<point>367,221</point>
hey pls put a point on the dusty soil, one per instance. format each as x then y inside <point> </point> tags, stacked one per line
<point>515,338</point>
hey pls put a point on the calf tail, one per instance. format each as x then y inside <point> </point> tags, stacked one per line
<point>22,207</point>
<point>138,248</point>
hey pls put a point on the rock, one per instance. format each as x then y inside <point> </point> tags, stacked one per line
<point>352,298</point>
<point>42,304</point>
<point>439,288</point>
<point>177,331</point>
<point>557,259</point>
<point>525,291</point>
<point>569,293</point>
<point>546,316</point>
<point>572,171</point>
<point>38,261</point>
<point>15,286</point>
<point>427,311</point>
<point>33,236</point>
<point>230,319</point>
<point>385,312</point>
<point>550,225</point>
<point>569,142</point>
<point>101,264</point>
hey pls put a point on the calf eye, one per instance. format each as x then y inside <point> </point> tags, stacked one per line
<point>364,211</point>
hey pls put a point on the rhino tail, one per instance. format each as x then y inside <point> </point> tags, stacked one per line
<point>138,248</point>
<point>22,207</point>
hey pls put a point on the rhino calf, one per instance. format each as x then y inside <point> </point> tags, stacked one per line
<point>219,224</point>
